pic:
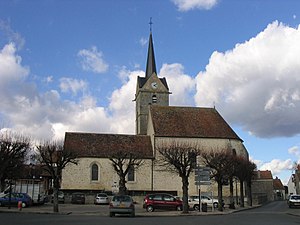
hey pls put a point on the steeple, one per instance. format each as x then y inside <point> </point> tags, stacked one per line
<point>151,66</point>
<point>150,90</point>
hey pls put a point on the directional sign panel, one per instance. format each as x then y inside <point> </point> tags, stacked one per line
<point>202,176</point>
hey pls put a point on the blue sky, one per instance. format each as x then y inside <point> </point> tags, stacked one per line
<point>72,66</point>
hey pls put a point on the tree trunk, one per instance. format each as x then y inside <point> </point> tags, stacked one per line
<point>242,193</point>
<point>55,194</point>
<point>2,185</point>
<point>231,206</point>
<point>220,196</point>
<point>122,185</point>
<point>185,189</point>
<point>249,194</point>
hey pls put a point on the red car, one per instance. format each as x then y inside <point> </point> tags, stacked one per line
<point>161,201</point>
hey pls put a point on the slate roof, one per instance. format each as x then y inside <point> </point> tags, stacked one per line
<point>142,80</point>
<point>104,145</point>
<point>151,66</point>
<point>171,121</point>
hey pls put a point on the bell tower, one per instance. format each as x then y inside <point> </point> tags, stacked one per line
<point>150,90</point>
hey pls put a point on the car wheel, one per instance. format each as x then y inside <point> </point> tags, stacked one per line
<point>179,208</point>
<point>215,205</point>
<point>149,208</point>
<point>24,204</point>
<point>132,214</point>
<point>111,214</point>
<point>196,207</point>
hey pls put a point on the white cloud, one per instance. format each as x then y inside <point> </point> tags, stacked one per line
<point>92,60</point>
<point>295,151</point>
<point>186,5</point>
<point>143,41</point>
<point>46,115</point>
<point>122,105</point>
<point>11,70</point>
<point>257,84</point>
<point>11,35</point>
<point>182,86</point>
<point>277,166</point>
<point>49,79</point>
<point>72,85</point>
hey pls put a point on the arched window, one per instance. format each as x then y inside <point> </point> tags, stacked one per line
<point>95,172</point>
<point>154,99</point>
<point>130,174</point>
<point>234,152</point>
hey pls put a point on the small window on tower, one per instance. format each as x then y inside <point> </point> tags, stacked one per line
<point>234,152</point>
<point>154,99</point>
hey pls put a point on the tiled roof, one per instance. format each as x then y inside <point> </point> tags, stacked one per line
<point>277,184</point>
<point>170,121</point>
<point>104,145</point>
<point>263,175</point>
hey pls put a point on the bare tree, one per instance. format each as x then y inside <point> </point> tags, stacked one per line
<point>180,158</point>
<point>244,170</point>
<point>122,162</point>
<point>13,151</point>
<point>55,158</point>
<point>221,164</point>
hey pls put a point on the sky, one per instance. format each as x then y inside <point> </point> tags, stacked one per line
<point>72,65</point>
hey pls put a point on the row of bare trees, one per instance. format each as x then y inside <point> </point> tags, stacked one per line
<point>178,158</point>
<point>15,150</point>
<point>225,165</point>
<point>53,157</point>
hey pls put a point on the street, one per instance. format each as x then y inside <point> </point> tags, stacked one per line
<point>274,213</point>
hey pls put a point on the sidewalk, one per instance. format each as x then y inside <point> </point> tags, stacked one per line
<point>90,209</point>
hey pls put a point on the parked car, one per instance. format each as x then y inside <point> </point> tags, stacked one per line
<point>121,204</point>
<point>194,201</point>
<point>101,198</point>
<point>15,198</point>
<point>61,197</point>
<point>78,198</point>
<point>294,201</point>
<point>161,201</point>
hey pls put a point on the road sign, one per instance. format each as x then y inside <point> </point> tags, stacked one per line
<point>202,183</point>
<point>202,176</point>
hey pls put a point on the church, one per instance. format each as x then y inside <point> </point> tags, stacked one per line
<point>156,123</point>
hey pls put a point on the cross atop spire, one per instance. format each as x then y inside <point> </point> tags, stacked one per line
<point>150,23</point>
<point>151,66</point>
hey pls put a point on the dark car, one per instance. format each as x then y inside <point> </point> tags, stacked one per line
<point>15,199</point>
<point>294,201</point>
<point>121,204</point>
<point>78,198</point>
<point>161,201</point>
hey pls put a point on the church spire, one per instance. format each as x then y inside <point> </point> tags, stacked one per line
<point>151,66</point>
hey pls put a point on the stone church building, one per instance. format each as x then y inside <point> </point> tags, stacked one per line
<point>157,123</point>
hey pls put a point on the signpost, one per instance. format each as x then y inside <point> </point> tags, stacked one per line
<point>202,177</point>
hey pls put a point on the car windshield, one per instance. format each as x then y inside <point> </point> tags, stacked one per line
<point>102,195</point>
<point>295,197</point>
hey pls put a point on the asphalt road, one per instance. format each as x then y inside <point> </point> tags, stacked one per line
<point>275,213</point>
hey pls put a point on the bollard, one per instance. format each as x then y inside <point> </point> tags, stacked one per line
<point>20,205</point>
